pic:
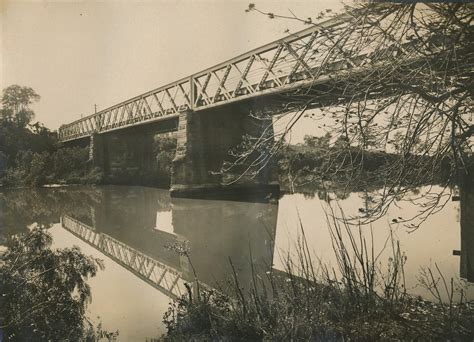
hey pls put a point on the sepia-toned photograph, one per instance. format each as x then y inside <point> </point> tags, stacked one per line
<point>226,170</point>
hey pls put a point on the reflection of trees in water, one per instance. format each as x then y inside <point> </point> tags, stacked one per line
<point>19,208</point>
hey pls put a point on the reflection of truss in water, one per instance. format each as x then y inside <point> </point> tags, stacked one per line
<point>164,278</point>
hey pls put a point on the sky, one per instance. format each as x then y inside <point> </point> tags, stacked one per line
<point>77,54</point>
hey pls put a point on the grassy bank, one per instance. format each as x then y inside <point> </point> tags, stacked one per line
<point>358,300</point>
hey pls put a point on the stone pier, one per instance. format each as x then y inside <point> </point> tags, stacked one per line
<point>204,141</point>
<point>98,154</point>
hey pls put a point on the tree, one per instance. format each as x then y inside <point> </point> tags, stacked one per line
<point>15,116</point>
<point>16,101</point>
<point>25,148</point>
<point>164,150</point>
<point>44,291</point>
<point>399,79</point>
<point>321,142</point>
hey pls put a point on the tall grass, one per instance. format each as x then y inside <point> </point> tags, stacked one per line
<point>357,299</point>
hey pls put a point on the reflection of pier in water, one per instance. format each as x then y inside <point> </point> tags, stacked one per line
<point>136,226</point>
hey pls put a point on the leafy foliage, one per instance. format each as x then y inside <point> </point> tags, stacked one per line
<point>30,153</point>
<point>15,101</point>
<point>320,165</point>
<point>164,150</point>
<point>44,291</point>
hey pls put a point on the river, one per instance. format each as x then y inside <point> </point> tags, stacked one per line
<point>142,229</point>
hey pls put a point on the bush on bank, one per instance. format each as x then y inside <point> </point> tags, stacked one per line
<point>63,166</point>
<point>44,291</point>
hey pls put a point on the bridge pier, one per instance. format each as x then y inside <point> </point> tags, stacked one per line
<point>98,153</point>
<point>125,157</point>
<point>203,143</point>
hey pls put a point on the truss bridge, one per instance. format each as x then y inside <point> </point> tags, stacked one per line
<point>210,111</point>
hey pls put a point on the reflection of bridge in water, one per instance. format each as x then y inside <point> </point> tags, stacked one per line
<point>134,226</point>
<point>157,274</point>
<point>142,230</point>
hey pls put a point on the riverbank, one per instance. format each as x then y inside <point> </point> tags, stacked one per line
<point>148,220</point>
<point>62,165</point>
<point>304,168</point>
<point>302,313</point>
<point>301,168</point>
<point>358,301</point>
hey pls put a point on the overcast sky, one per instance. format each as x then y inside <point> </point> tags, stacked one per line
<point>79,53</point>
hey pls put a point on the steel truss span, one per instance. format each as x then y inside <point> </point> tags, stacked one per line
<point>284,64</point>
<point>166,279</point>
<point>318,55</point>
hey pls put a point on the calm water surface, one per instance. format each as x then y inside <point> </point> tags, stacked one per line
<point>215,234</point>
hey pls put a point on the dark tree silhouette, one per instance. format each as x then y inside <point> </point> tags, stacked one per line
<point>16,101</point>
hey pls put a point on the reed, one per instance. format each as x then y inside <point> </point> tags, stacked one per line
<point>357,299</point>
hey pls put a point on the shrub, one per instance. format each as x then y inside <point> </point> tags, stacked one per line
<point>44,291</point>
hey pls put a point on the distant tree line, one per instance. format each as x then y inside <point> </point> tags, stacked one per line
<point>323,162</point>
<point>30,154</point>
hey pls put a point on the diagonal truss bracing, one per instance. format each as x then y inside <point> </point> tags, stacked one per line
<point>298,60</point>
<point>271,67</point>
<point>161,276</point>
